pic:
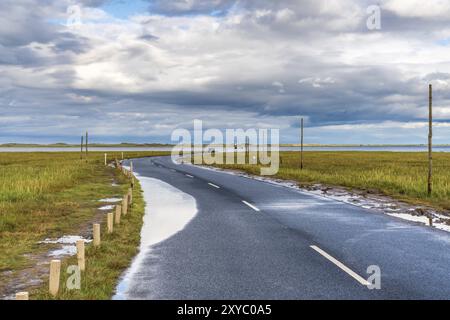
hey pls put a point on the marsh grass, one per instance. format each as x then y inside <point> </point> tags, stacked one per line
<point>106,263</point>
<point>49,195</point>
<point>402,175</point>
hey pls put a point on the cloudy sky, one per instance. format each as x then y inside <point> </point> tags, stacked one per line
<point>135,70</point>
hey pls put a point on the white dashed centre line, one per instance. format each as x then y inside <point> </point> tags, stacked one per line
<point>250,205</point>
<point>189,176</point>
<point>343,267</point>
<point>213,185</point>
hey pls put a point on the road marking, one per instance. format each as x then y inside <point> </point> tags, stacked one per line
<point>251,206</point>
<point>188,175</point>
<point>343,267</point>
<point>213,185</point>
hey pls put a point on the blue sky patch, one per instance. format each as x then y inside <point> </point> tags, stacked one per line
<point>123,9</point>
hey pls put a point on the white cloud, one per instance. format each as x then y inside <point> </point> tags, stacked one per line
<point>262,62</point>
<point>430,9</point>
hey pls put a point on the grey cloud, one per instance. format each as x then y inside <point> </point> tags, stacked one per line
<point>176,7</point>
<point>22,22</point>
<point>27,33</point>
<point>70,42</point>
<point>148,37</point>
<point>293,44</point>
<point>93,3</point>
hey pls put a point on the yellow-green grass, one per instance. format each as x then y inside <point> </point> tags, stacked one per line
<point>399,174</point>
<point>104,264</point>
<point>53,194</point>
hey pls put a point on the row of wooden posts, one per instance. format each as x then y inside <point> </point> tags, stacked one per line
<point>112,218</point>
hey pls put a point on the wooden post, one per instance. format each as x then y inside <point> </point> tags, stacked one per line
<point>87,143</point>
<point>430,140</point>
<point>106,156</point>
<point>110,222</point>
<point>430,221</point>
<point>80,255</point>
<point>22,296</point>
<point>96,234</point>
<point>55,273</point>
<point>131,168</point>
<point>122,155</point>
<point>130,196</point>
<point>248,149</point>
<point>301,147</point>
<point>118,213</point>
<point>247,156</point>
<point>125,205</point>
<point>81,151</point>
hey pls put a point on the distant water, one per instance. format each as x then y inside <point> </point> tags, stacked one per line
<point>77,149</point>
<point>387,148</point>
<point>130,149</point>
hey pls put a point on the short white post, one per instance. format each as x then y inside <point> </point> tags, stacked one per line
<point>80,255</point>
<point>125,205</point>
<point>118,213</point>
<point>106,156</point>
<point>130,196</point>
<point>96,234</point>
<point>110,222</point>
<point>55,273</point>
<point>22,296</point>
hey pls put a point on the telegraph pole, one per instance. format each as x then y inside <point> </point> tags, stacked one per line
<point>81,151</point>
<point>430,139</point>
<point>87,146</point>
<point>247,149</point>
<point>301,146</point>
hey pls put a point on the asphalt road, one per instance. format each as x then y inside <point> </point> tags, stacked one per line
<point>282,243</point>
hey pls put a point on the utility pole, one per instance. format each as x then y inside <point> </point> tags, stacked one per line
<point>81,151</point>
<point>247,150</point>
<point>87,146</point>
<point>430,139</point>
<point>301,146</point>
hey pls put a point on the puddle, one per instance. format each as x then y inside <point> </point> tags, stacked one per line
<point>67,248</point>
<point>106,208</point>
<point>110,200</point>
<point>64,240</point>
<point>64,251</point>
<point>170,211</point>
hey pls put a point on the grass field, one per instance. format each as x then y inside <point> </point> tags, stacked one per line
<point>106,263</point>
<point>398,174</point>
<point>52,194</point>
